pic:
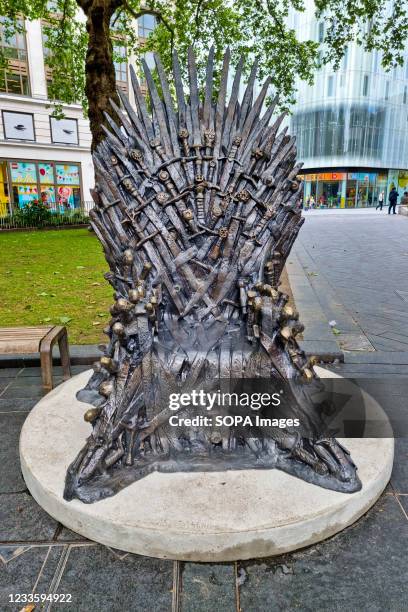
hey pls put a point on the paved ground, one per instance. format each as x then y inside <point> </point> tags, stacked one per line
<point>363,568</point>
<point>356,264</point>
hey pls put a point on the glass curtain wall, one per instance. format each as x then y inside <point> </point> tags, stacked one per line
<point>352,130</point>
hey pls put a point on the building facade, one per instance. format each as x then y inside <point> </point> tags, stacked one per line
<point>41,158</point>
<point>351,126</point>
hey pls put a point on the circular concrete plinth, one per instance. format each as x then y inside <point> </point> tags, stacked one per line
<point>202,516</point>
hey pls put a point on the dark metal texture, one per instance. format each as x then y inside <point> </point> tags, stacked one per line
<point>196,208</point>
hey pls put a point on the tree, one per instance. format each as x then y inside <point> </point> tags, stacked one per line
<point>81,36</point>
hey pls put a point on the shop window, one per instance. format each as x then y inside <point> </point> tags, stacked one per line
<point>146,25</point>
<point>14,77</point>
<point>56,185</point>
<point>18,126</point>
<point>68,186</point>
<point>47,187</point>
<point>24,182</point>
<point>64,131</point>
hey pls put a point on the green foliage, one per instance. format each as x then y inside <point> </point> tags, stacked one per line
<point>33,214</point>
<point>255,28</point>
<point>65,41</point>
<point>40,216</point>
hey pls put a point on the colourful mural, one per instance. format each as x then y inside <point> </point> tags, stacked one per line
<point>46,172</point>
<point>67,174</point>
<point>23,172</point>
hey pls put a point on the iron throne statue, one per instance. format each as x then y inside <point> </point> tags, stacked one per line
<point>196,208</point>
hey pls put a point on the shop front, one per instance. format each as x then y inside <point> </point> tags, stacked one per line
<point>347,189</point>
<point>56,185</point>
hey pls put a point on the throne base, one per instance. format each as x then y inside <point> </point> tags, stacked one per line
<point>194,516</point>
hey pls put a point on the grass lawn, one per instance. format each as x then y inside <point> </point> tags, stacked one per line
<point>55,278</point>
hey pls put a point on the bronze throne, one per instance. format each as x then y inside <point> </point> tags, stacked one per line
<point>197,206</point>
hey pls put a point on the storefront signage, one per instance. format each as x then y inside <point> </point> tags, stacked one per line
<point>341,176</point>
<point>362,176</point>
<point>326,176</point>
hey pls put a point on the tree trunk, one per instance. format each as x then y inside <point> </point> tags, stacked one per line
<point>99,68</point>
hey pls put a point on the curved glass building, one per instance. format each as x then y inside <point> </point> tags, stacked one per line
<point>351,126</point>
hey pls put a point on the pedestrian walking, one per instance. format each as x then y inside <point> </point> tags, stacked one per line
<point>380,201</point>
<point>392,199</point>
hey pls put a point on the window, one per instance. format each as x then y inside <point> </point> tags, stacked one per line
<point>365,85</point>
<point>120,63</point>
<point>320,35</point>
<point>64,131</point>
<point>46,50</point>
<point>366,131</point>
<point>345,59</point>
<point>52,7</point>
<point>376,58</point>
<point>55,184</point>
<point>24,183</point>
<point>18,126</point>
<point>149,59</point>
<point>404,98</point>
<point>47,53</point>
<point>387,90</point>
<point>68,186</point>
<point>14,47</point>
<point>14,78</point>
<point>330,86</point>
<point>146,25</point>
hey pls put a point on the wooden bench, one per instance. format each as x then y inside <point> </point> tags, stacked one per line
<point>24,340</point>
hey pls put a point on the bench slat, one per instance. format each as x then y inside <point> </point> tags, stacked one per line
<point>19,346</point>
<point>24,330</point>
<point>22,339</point>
